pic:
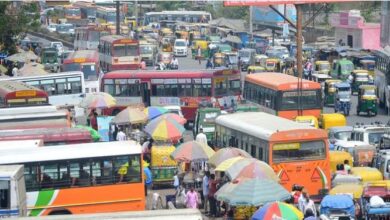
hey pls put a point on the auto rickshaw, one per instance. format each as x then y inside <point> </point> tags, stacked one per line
<point>329,91</point>
<point>320,78</point>
<point>203,46</point>
<point>273,65</point>
<point>338,157</point>
<point>181,34</point>
<point>367,100</point>
<point>376,211</point>
<point>308,119</point>
<point>289,66</point>
<point>224,48</point>
<point>355,190</point>
<point>219,59</point>
<point>322,67</point>
<point>367,174</point>
<point>368,65</point>
<point>358,78</point>
<point>342,102</point>
<point>167,47</point>
<point>166,32</point>
<point>255,69</point>
<point>337,207</point>
<point>165,58</point>
<point>342,69</point>
<point>330,120</point>
<point>231,60</point>
<point>260,60</point>
<point>363,155</point>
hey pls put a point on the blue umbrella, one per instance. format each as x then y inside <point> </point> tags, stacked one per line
<point>154,111</point>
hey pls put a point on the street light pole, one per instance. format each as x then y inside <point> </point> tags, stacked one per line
<point>118,15</point>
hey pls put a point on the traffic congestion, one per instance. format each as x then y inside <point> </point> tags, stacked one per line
<point>114,113</point>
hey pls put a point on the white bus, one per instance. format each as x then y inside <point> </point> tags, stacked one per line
<point>61,179</point>
<point>12,192</point>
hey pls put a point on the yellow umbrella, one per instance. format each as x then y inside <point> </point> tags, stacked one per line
<point>228,163</point>
<point>130,116</point>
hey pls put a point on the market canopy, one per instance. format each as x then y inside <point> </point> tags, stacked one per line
<point>32,69</point>
<point>22,57</point>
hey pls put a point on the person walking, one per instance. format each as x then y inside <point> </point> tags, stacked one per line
<point>176,181</point>
<point>201,137</point>
<point>192,199</point>
<point>212,190</point>
<point>205,187</point>
<point>199,54</point>
<point>121,136</point>
<point>305,204</point>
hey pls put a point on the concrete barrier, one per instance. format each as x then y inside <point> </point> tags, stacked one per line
<point>50,38</point>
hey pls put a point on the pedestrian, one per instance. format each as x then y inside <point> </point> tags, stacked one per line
<point>147,149</point>
<point>176,181</point>
<point>199,53</point>
<point>209,64</point>
<point>93,119</point>
<point>201,137</point>
<point>15,70</point>
<point>347,167</point>
<point>205,187</point>
<point>305,203</point>
<point>212,190</point>
<point>192,199</point>
<point>114,130</point>
<point>121,136</point>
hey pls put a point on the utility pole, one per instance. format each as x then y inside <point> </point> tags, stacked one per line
<point>136,11</point>
<point>118,18</point>
<point>251,22</point>
<point>299,55</point>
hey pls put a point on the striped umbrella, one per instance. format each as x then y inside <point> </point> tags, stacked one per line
<point>130,116</point>
<point>165,130</point>
<point>251,168</point>
<point>154,111</point>
<point>98,100</point>
<point>278,210</point>
<point>173,116</point>
<point>227,153</point>
<point>253,192</point>
<point>192,151</point>
<point>228,163</point>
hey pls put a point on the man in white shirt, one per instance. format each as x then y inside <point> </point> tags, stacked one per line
<point>15,71</point>
<point>175,62</point>
<point>121,136</point>
<point>201,137</point>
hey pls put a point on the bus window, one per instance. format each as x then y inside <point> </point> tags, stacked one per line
<point>197,90</point>
<point>109,86</point>
<point>31,177</point>
<point>234,86</point>
<point>85,175</point>
<point>120,50</point>
<point>184,90</point>
<point>60,86</point>
<point>312,150</point>
<point>131,50</point>
<point>64,180</point>
<point>74,85</point>
<point>220,87</point>
<point>49,174</point>
<point>5,194</point>
<point>158,90</point>
<point>206,91</point>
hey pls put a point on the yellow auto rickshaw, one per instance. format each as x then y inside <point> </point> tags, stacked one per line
<point>338,157</point>
<point>368,174</point>
<point>219,59</point>
<point>165,32</point>
<point>368,65</point>
<point>273,65</point>
<point>329,91</point>
<point>322,67</point>
<point>329,120</point>
<point>308,119</point>
<point>255,69</point>
<point>356,190</point>
<point>203,46</point>
<point>260,60</point>
<point>182,34</point>
<point>167,47</point>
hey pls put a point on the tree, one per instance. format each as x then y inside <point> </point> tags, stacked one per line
<point>16,20</point>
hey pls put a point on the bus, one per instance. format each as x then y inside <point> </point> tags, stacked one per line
<point>19,94</point>
<point>49,137</point>
<point>72,13</point>
<point>63,89</point>
<point>62,179</point>
<point>183,16</point>
<point>106,15</point>
<point>185,88</point>
<point>382,77</point>
<point>87,10</point>
<point>278,94</point>
<point>87,38</point>
<point>34,117</point>
<point>86,61</point>
<point>298,153</point>
<point>119,53</point>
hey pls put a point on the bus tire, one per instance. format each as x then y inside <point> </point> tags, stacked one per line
<point>60,212</point>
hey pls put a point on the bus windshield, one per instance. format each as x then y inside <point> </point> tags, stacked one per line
<point>146,49</point>
<point>347,67</point>
<point>288,152</point>
<point>73,11</point>
<point>94,35</point>
<point>375,137</point>
<point>88,70</point>
<point>72,67</point>
<point>125,50</point>
<point>309,99</point>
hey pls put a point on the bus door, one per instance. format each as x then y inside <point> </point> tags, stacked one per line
<point>145,92</point>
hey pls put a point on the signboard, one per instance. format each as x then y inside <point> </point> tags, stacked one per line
<point>266,15</point>
<point>25,93</point>
<point>287,146</point>
<point>104,127</point>
<point>277,2</point>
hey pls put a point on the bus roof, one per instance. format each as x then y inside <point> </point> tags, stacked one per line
<point>260,124</point>
<point>117,39</point>
<point>19,89</point>
<point>82,56</point>
<point>51,76</point>
<point>17,144</point>
<point>167,74</point>
<point>280,81</point>
<point>71,151</point>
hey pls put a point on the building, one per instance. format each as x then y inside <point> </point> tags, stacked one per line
<point>385,24</point>
<point>351,30</point>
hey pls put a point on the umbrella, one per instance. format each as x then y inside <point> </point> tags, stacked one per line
<point>165,129</point>
<point>32,69</point>
<point>192,151</point>
<point>277,210</point>
<point>173,116</point>
<point>98,100</point>
<point>94,134</point>
<point>130,116</point>
<point>227,153</point>
<point>250,168</point>
<point>253,192</point>
<point>22,57</point>
<point>227,163</point>
<point>154,111</point>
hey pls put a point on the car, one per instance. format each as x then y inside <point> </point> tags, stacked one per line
<point>59,46</point>
<point>180,47</point>
<point>66,28</point>
<point>51,28</point>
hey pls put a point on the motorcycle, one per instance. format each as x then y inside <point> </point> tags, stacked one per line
<point>160,66</point>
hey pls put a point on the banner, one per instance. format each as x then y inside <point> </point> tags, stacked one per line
<point>104,127</point>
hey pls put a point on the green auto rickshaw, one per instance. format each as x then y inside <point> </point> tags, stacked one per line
<point>367,100</point>
<point>342,69</point>
<point>329,91</point>
<point>358,78</point>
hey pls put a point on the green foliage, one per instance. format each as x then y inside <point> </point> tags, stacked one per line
<point>15,21</point>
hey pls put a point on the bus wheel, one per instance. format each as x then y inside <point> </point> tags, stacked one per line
<point>60,212</point>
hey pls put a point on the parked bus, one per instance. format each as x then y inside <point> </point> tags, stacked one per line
<point>278,94</point>
<point>34,117</point>
<point>87,38</point>
<point>72,13</point>
<point>64,89</point>
<point>382,77</point>
<point>183,16</point>
<point>19,94</point>
<point>185,88</point>
<point>298,153</point>
<point>106,15</point>
<point>119,53</point>
<point>86,61</point>
<point>49,136</point>
<point>87,10</point>
<point>81,178</point>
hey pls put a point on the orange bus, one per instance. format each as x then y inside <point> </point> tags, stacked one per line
<point>19,94</point>
<point>81,178</point>
<point>278,94</point>
<point>298,153</point>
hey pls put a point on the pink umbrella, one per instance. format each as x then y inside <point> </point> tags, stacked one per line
<point>173,116</point>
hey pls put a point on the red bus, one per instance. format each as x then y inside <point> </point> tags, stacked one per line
<point>185,88</point>
<point>58,136</point>
<point>119,53</point>
<point>19,94</point>
<point>86,61</point>
<point>87,38</point>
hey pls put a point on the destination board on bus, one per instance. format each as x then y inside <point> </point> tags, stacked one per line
<point>25,93</point>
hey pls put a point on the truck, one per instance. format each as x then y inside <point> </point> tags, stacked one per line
<point>49,58</point>
<point>13,199</point>
<point>205,119</point>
